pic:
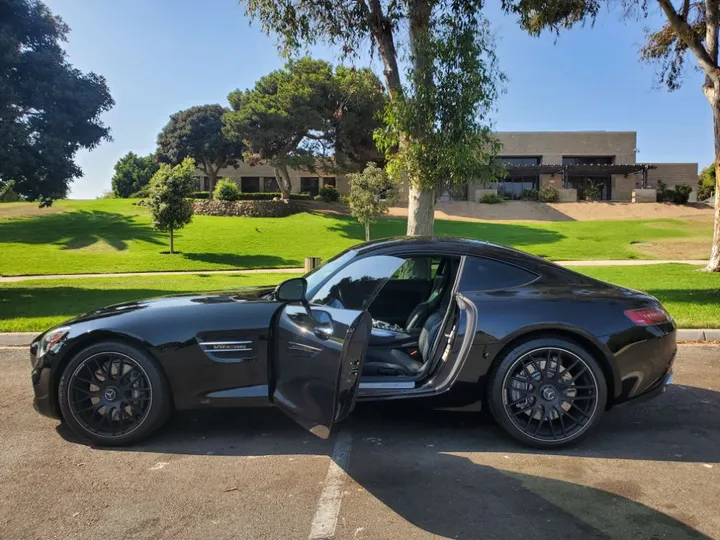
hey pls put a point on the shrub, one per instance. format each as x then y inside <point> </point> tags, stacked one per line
<point>530,194</point>
<point>706,183</point>
<point>200,195</point>
<point>226,190</point>
<point>345,200</point>
<point>592,192</point>
<point>491,198</point>
<point>8,193</point>
<point>328,194</point>
<point>142,193</point>
<point>549,194</point>
<point>317,198</point>
<point>681,194</point>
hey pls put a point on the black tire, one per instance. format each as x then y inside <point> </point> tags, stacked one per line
<point>547,392</point>
<point>113,394</point>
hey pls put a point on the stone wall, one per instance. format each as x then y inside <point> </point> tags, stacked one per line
<point>245,208</point>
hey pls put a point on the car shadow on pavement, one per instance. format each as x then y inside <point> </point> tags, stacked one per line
<point>680,425</point>
<point>405,458</point>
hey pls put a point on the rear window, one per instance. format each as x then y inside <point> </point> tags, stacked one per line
<point>481,274</point>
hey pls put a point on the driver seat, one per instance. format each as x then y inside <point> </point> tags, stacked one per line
<point>386,361</point>
<point>423,310</point>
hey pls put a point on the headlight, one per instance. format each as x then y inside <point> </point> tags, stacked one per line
<point>52,340</point>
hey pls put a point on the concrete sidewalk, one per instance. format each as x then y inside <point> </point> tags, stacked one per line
<point>14,279</point>
<point>23,339</point>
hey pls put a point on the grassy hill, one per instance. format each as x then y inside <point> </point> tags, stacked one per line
<point>114,235</point>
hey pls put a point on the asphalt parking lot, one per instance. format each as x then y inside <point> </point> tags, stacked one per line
<point>650,470</point>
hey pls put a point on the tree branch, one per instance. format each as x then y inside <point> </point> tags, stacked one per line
<point>685,33</point>
<point>382,31</point>
<point>711,29</point>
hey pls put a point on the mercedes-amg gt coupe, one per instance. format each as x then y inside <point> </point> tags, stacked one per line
<point>449,321</point>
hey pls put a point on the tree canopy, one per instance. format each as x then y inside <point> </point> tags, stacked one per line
<point>307,112</point>
<point>169,191</point>
<point>48,109</point>
<point>451,83</point>
<point>132,174</point>
<point>197,132</point>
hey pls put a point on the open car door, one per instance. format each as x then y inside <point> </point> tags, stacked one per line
<point>317,362</point>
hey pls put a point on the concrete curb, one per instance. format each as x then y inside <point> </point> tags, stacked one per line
<point>23,339</point>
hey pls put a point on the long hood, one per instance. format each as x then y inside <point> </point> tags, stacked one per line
<point>179,302</point>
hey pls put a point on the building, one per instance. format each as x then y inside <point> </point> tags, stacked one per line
<point>563,159</point>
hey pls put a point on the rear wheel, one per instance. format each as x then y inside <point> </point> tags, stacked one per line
<point>113,394</point>
<point>547,392</point>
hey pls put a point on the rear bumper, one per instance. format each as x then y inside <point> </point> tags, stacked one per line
<point>646,365</point>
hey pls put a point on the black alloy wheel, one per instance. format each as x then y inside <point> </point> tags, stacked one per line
<point>547,392</point>
<point>113,394</point>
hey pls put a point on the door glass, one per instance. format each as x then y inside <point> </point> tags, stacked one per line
<point>354,286</point>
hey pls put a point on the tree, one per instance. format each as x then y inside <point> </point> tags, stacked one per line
<point>690,31</point>
<point>197,132</point>
<point>371,193</point>
<point>48,109</point>
<point>707,181</point>
<point>436,123</point>
<point>170,188</point>
<point>132,174</point>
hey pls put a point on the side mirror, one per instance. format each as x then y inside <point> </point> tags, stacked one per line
<point>292,290</point>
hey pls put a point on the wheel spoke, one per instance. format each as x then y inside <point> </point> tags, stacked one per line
<point>520,411</point>
<point>583,370</point>
<point>567,370</point>
<point>110,370</point>
<point>542,419</point>
<point>560,413</point>
<point>519,400</point>
<point>552,428</point>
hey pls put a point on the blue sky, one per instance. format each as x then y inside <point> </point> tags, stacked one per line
<point>162,56</point>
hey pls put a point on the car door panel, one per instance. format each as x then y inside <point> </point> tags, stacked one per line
<point>317,364</point>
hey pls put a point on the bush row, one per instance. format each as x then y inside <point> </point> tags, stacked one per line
<point>679,195</point>
<point>245,208</point>
<point>262,196</point>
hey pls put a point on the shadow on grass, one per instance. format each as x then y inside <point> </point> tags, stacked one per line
<point>80,229</point>
<point>242,261</point>
<point>688,296</point>
<point>405,458</point>
<point>509,234</point>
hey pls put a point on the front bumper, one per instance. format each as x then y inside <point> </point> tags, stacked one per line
<point>45,400</point>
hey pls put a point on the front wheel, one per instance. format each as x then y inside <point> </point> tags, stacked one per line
<point>113,394</point>
<point>547,392</point>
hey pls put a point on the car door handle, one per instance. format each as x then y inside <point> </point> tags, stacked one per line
<point>324,330</point>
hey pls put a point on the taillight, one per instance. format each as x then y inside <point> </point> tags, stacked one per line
<point>648,316</point>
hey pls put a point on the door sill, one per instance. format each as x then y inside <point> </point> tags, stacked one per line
<point>390,385</point>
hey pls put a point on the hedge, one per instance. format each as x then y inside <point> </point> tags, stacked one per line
<point>260,196</point>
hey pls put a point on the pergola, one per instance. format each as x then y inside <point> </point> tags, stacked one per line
<point>566,171</point>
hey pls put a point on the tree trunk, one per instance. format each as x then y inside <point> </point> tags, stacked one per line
<point>282,177</point>
<point>421,211</point>
<point>382,31</point>
<point>367,231</point>
<point>212,179</point>
<point>172,244</point>
<point>714,263</point>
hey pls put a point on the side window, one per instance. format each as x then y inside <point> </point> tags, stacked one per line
<point>355,285</point>
<point>481,274</point>
<point>414,268</point>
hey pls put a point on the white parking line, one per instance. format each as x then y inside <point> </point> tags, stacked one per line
<point>328,509</point>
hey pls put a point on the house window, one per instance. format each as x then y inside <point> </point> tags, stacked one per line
<point>309,184</point>
<point>329,181</point>
<point>588,160</point>
<point>519,161</point>
<point>270,184</point>
<point>205,186</point>
<point>249,184</point>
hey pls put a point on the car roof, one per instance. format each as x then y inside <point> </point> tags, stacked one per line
<point>464,246</point>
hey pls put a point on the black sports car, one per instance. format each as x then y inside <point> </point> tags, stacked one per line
<point>450,321</point>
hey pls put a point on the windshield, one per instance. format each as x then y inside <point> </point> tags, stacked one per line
<point>316,277</point>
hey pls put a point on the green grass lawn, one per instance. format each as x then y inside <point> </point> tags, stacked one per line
<point>112,235</point>
<point>692,297</point>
